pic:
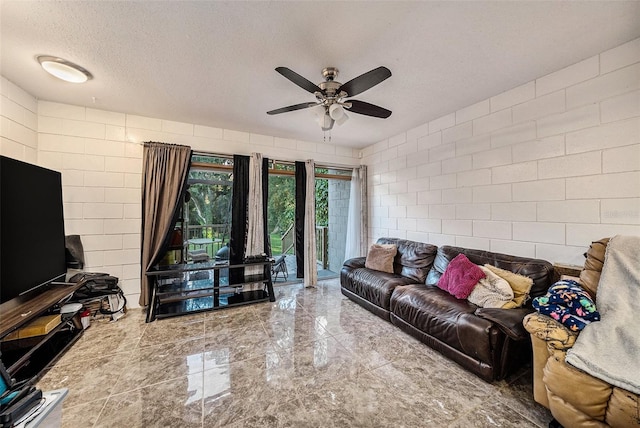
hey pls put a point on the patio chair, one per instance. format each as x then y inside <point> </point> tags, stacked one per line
<point>280,267</point>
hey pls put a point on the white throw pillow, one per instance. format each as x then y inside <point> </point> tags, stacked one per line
<point>491,291</point>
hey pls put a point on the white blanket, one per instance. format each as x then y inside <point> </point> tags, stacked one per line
<point>610,349</point>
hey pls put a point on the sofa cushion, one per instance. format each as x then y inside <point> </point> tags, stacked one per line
<point>520,285</point>
<point>414,259</point>
<point>545,328</point>
<point>373,286</point>
<point>540,271</point>
<point>449,320</point>
<point>588,394</point>
<point>460,277</point>
<point>354,263</point>
<point>590,275</point>
<point>491,291</point>
<point>509,320</point>
<point>380,257</point>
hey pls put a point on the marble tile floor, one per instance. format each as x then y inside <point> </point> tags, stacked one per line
<point>311,359</point>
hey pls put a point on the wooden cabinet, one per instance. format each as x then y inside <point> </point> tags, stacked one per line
<point>27,359</point>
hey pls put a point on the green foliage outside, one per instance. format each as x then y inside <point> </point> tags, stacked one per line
<point>210,202</point>
<point>281,211</point>
<point>322,202</point>
<point>276,243</point>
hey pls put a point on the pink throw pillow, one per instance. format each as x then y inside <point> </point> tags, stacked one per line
<point>460,277</point>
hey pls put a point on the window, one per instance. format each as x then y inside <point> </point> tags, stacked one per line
<point>208,206</point>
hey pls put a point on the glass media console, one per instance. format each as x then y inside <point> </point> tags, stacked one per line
<point>195,287</point>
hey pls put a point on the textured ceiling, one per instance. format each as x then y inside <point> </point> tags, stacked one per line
<point>212,63</point>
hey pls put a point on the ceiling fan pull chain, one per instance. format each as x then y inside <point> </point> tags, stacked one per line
<point>325,137</point>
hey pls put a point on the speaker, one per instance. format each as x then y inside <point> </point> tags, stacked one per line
<point>74,252</point>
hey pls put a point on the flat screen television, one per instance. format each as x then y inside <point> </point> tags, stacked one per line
<point>32,246</point>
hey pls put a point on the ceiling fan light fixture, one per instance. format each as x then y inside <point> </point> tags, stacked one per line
<point>63,69</point>
<point>326,122</point>
<point>336,111</point>
<point>342,119</point>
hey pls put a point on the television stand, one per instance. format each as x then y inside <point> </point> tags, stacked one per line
<point>28,359</point>
<point>195,287</point>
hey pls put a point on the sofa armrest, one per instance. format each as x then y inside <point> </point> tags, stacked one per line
<point>357,262</point>
<point>509,320</point>
<point>551,331</point>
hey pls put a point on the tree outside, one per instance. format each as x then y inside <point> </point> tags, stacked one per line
<point>281,209</point>
<point>211,197</point>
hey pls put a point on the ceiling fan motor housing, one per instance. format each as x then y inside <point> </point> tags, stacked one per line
<point>330,73</point>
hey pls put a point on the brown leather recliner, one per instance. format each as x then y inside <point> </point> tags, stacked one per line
<point>575,398</point>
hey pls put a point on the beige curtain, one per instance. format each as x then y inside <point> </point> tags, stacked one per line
<point>164,176</point>
<point>364,204</point>
<point>255,223</point>
<point>356,217</point>
<point>310,258</point>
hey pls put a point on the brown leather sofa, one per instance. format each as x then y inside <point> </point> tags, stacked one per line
<point>487,342</point>
<point>575,398</point>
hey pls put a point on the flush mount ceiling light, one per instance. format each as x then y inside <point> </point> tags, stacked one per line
<point>63,69</point>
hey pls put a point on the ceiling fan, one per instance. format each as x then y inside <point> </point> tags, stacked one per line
<point>331,95</point>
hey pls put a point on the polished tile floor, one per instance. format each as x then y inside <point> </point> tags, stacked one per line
<point>311,359</point>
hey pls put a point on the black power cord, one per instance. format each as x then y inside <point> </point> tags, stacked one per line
<point>98,287</point>
<point>124,303</point>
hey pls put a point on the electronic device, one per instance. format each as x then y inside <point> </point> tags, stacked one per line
<point>70,308</point>
<point>21,407</point>
<point>7,394</point>
<point>31,226</point>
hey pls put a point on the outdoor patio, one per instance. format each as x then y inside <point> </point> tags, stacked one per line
<point>290,260</point>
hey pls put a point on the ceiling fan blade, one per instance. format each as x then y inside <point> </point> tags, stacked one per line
<point>298,80</point>
<point>365,81</point>
<point>368,109</point>
<point>292,108</point>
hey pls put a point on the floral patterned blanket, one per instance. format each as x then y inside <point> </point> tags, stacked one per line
<point>569,304</point>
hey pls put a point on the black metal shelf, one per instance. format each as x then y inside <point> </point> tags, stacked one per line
<point>207,303</point>
<point>175,291</point>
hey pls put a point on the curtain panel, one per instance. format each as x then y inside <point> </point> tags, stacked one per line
<point>249,231</point>
<point>265,202</point>
<point>301,195</point>
<point>165,168</point>
<point>240,199</point>
<point>357,225</point>
<point>310,257</point>
<point>255,219</point>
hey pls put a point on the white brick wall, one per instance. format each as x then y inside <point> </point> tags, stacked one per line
<point>18,123</point>
<point>100,156</point>
<point>540,170</point>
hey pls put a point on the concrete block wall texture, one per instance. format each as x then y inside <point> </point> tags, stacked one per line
<point>99,154</point>
<point>18,123</point>
<point>540,170</point>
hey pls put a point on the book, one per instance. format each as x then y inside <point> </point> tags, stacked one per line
<point>38,327</point>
